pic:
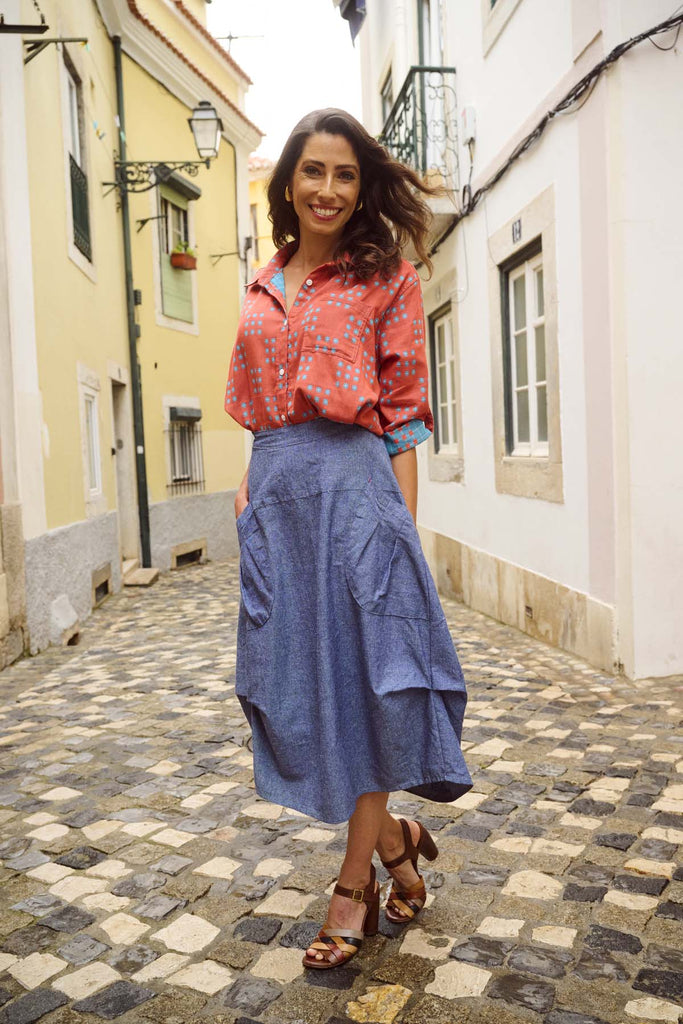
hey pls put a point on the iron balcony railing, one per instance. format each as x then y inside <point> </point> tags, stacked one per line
<point>422,127</point>
<point>79,206</point>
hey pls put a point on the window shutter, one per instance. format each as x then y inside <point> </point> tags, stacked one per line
<point>176,291</point>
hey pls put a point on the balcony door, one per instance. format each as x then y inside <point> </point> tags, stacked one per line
<point>432,97</point>
<point>430,42</point>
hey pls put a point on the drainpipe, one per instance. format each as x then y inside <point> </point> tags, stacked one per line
<point>138,426</point>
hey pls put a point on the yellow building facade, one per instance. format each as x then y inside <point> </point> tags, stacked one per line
<point>127,75</point>
<point>260,170</point>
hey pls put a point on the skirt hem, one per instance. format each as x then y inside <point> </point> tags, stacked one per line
<point>315,812</point>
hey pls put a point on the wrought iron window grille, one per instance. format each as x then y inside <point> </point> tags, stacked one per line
<point>184,439</point>
<point>79,206</point>
<point>422,127</point>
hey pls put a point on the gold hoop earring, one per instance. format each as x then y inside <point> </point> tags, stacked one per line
<point>360,206</point>
<point>288,194</point>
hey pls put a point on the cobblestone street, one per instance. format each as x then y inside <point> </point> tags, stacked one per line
<point>143,879</point>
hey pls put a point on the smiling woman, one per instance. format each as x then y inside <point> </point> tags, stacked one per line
<point>345,666</point>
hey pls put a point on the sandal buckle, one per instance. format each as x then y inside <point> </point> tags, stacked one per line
<point>357,898</point>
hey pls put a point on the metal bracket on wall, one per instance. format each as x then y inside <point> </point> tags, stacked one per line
<point>141,223</point>
<point>216,257</point>
<point>32,49</point>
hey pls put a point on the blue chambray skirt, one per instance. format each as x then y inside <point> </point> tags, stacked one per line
<point>346,669</point>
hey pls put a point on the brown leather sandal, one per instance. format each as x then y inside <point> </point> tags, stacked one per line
<point>336,946</point>
<point>410,899</point>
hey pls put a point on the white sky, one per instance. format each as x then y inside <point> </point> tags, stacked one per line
<point>304,61</point>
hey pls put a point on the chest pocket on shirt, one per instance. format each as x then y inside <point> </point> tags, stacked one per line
<point>336,331</point>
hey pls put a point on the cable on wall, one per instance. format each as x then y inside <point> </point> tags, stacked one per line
<point>567,105</point>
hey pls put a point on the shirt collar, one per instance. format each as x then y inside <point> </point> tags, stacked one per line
<point>281,258</point>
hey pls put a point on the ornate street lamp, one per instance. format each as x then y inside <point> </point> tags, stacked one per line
<point>206,127</point>
<point>142,175</point>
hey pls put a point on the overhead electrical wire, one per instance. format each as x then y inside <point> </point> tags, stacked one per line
<point>567,105</point>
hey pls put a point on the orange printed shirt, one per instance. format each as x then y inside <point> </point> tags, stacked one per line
<point>348,350</point>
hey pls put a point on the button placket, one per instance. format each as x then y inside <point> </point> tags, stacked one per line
<point>280,381</point>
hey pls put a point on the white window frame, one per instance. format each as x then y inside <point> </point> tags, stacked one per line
<point>173,446</point>
<point>160,318</point>
<point>92,443</point>
<point>386,95</point>
<point>451,400</point>
<point>75,116</point>
<point>173,233</point>
<point>534,320</point>
<point>74,137</point>
<point>89,393</point>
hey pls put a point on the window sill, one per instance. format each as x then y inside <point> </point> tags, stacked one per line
<point>446,468</point>
<point>82,262</point>
<point>184,326</point>
<point>528,476</point>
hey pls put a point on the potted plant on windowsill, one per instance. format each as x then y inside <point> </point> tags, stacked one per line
<point>183,257</point>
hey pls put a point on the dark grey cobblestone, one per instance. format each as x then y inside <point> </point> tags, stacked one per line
<point>31,1007</point>
<point>557,892</point>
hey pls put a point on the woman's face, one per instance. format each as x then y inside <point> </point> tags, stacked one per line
<point>325,185</point>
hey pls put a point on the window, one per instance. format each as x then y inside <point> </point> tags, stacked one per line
<point>76,148</point>
<point>92,445</point>
<point>526,397</point>
<point>387,97</point>
<point>525,364</point>
<point>445,384</point>
<point>185,451</point>
<point>176,285</point>
<point>430,42</point>
<point>495,15</point>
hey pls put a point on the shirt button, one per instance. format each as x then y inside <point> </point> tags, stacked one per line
<point>309,283</point>
<point>283,417</point>
<point>281,371</point>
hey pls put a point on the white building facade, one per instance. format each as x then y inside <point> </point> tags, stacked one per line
<point>551,495</point>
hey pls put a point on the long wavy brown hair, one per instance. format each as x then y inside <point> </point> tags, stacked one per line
<point>393,210</point>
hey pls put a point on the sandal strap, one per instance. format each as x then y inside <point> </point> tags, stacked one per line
<point>409,892</point>
<point>359,895</point>
<point>335,946</point>
<point>410,851</point>
<point>343,933</point>
<point>409,908</point>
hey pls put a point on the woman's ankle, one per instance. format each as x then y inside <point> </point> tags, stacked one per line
<point>390,841</point>
<point>354,879</point>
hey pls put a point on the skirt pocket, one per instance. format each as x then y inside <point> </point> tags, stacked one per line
<point>385,568</point>
<point>255,570</point>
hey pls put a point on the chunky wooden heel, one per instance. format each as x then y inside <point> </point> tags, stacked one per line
<point>406,902</point>
<point>426,846</point>
<point>335,946</point>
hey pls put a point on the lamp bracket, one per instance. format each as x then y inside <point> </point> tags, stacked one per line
<point>142,175</point>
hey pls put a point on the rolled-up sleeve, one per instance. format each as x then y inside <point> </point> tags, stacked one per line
<point>403,406</point>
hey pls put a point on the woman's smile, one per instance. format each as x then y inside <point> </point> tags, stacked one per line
<point>326,212</point>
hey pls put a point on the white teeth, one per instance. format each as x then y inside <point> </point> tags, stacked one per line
<point>324,211</point>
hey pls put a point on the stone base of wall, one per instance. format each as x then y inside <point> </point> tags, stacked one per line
<point>12,584</point>
<point>203,518</point>
<point>539,606</point>
<point>59,577</point>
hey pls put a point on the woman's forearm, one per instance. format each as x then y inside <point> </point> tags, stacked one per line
<point>404,466</point>
<point>242,495</point>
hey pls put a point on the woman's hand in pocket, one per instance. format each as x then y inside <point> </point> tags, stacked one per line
<point>242,496</point>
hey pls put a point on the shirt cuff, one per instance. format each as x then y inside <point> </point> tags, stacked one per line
<point>402,439</point>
